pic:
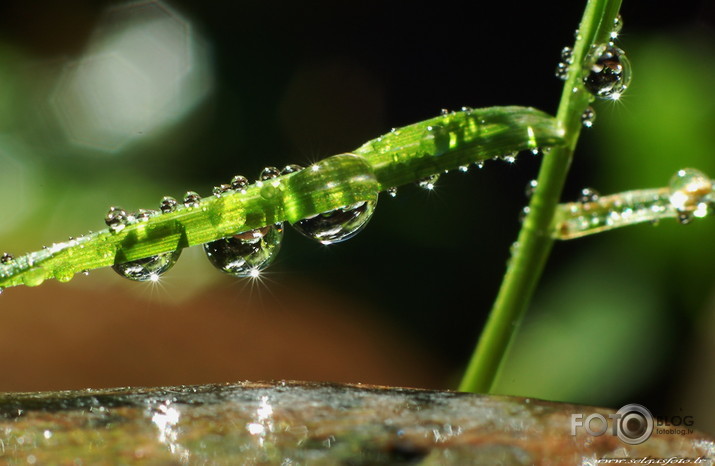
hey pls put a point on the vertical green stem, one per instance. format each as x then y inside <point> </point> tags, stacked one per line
<point>534,242</point>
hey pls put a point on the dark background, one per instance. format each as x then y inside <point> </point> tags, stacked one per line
<point>620,317</point>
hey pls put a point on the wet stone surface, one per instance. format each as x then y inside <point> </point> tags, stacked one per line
<point>306,423</point>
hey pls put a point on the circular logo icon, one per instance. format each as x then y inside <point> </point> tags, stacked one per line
<point>635,424</point>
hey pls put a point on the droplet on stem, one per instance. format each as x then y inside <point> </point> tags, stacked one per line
<point>428,182</point>
<point>689,191</point>
<point>220,190</point>
<point>148,268</point>
<point>168,205</point>
<point>392,192</point>
<point>116,219</point>
<point>588,195</point>
<point>293,168</point>
<point>337,225</point>
<point>610,73</point>
<point>588,117</point>
<point>192,199</point>
<point>246,254</point>
<point>239,183</point>
<point>269,173</point>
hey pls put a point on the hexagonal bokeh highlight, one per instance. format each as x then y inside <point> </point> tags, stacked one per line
<point>144,69</point>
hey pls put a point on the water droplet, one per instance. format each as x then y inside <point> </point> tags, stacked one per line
<point>116,219</point>
<point>246,254</point>
<point>143,215</point>
<point>524,212</point>
<point>269,173</point>
<point>444,111</point>
<point>588,117</point>
<point>464,168</point>
<point>85,272</point>
<point>617,26</point>
<point>610,73</point>
<point>567,55</point>
<point>392,192</point>
<point>288,169</point>
<point>337,225</point>
<point>562,71</point>
<point>577,34</point>
<point>168,204</point>
<point>479,164</point>
<point>34,277</point>
<point>192,199</point>
<point>689,192</point>
<point>148,268</point>
<point>428,182</point>
<point>467,109</point>
<point>239,183</point>
<point>6,258</point>
<point>509,158</point>
<point>530,188</point>
<point>219,190</point>
<point>588,195</point>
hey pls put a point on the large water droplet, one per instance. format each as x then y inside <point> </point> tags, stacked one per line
<point>246,254</point>
<point>610,73</point>
<point>428,182</point>
<point>689,190</point>
<point>149,268</point>
<point>588,117</point>
<point>192,199</point>
<point>116,219</point>
<point>337,225</point>
<point>168,204</point>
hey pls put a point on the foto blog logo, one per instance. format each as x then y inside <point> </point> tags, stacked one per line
<point>632,424</point>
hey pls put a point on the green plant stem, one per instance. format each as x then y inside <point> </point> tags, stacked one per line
<point>534,242</point>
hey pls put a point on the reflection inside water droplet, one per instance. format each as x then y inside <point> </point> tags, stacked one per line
<point>610,72</point>
<point>689,193</point>
<point>247,253</point>
<point>192,199</point>
<point>149,268</point>
<point>116,219</point>
<point>168,204</point>
<point>337,225</point>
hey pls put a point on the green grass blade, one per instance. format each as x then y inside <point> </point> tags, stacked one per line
<point>400,157</point>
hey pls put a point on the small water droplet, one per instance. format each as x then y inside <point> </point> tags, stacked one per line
<point>288,169</point>
<point>337,225</point>
<point>479,164</point>
<point>269,173</point>
<point>168,204</point>
<point>219,190</point>
<point>467,109</point>
<point>428,182</point>
<point>464,168</point>
<point>116,219</point>
<point>610,73</point>
<point>239,183</point>
<point>588,195</point>
<point>444,111</point>
<point>192,199</point>
<point>143,215</point>
<point>588,117</point>
<point>509,157</point>
<point>562,71</point>
<point>524,212</point>
<point>567,55</point>
<point>392,192</point>
<point>247,253</point>
<point>617,26</point>
<point>6,258</point>
<point>535,151</point>
<point>530,188</point>
<point>85,272</point>
<point>148,268</point>
<point>577,34</point>
<point>689,191</point>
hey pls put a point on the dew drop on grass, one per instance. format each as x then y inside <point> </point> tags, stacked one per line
<point>392,192</point>
<point>148,268</point>
<point>288,169</point>
<point>689,189</point>
<point>168,204</point>
<point>219,190</point>
<point>269,173</point>
<point>6,258</point>
<point>239,183</point>
<point>428,182</point>
<point>192,199</point>
<point>562,71</point>
<point>610,72</point>
<point>588,195</point>
<point>530,188</point>
<point>337,225</point>
<point>464,168</point>
<point>617,26</point>
<point>567,55</point>
<point>34,276</point>
<point>588,117</point>
<point>479,164</point>
<point>116,219</point>
<point>143,215</point>
<point>523,214</point>
<point>247,253</point>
